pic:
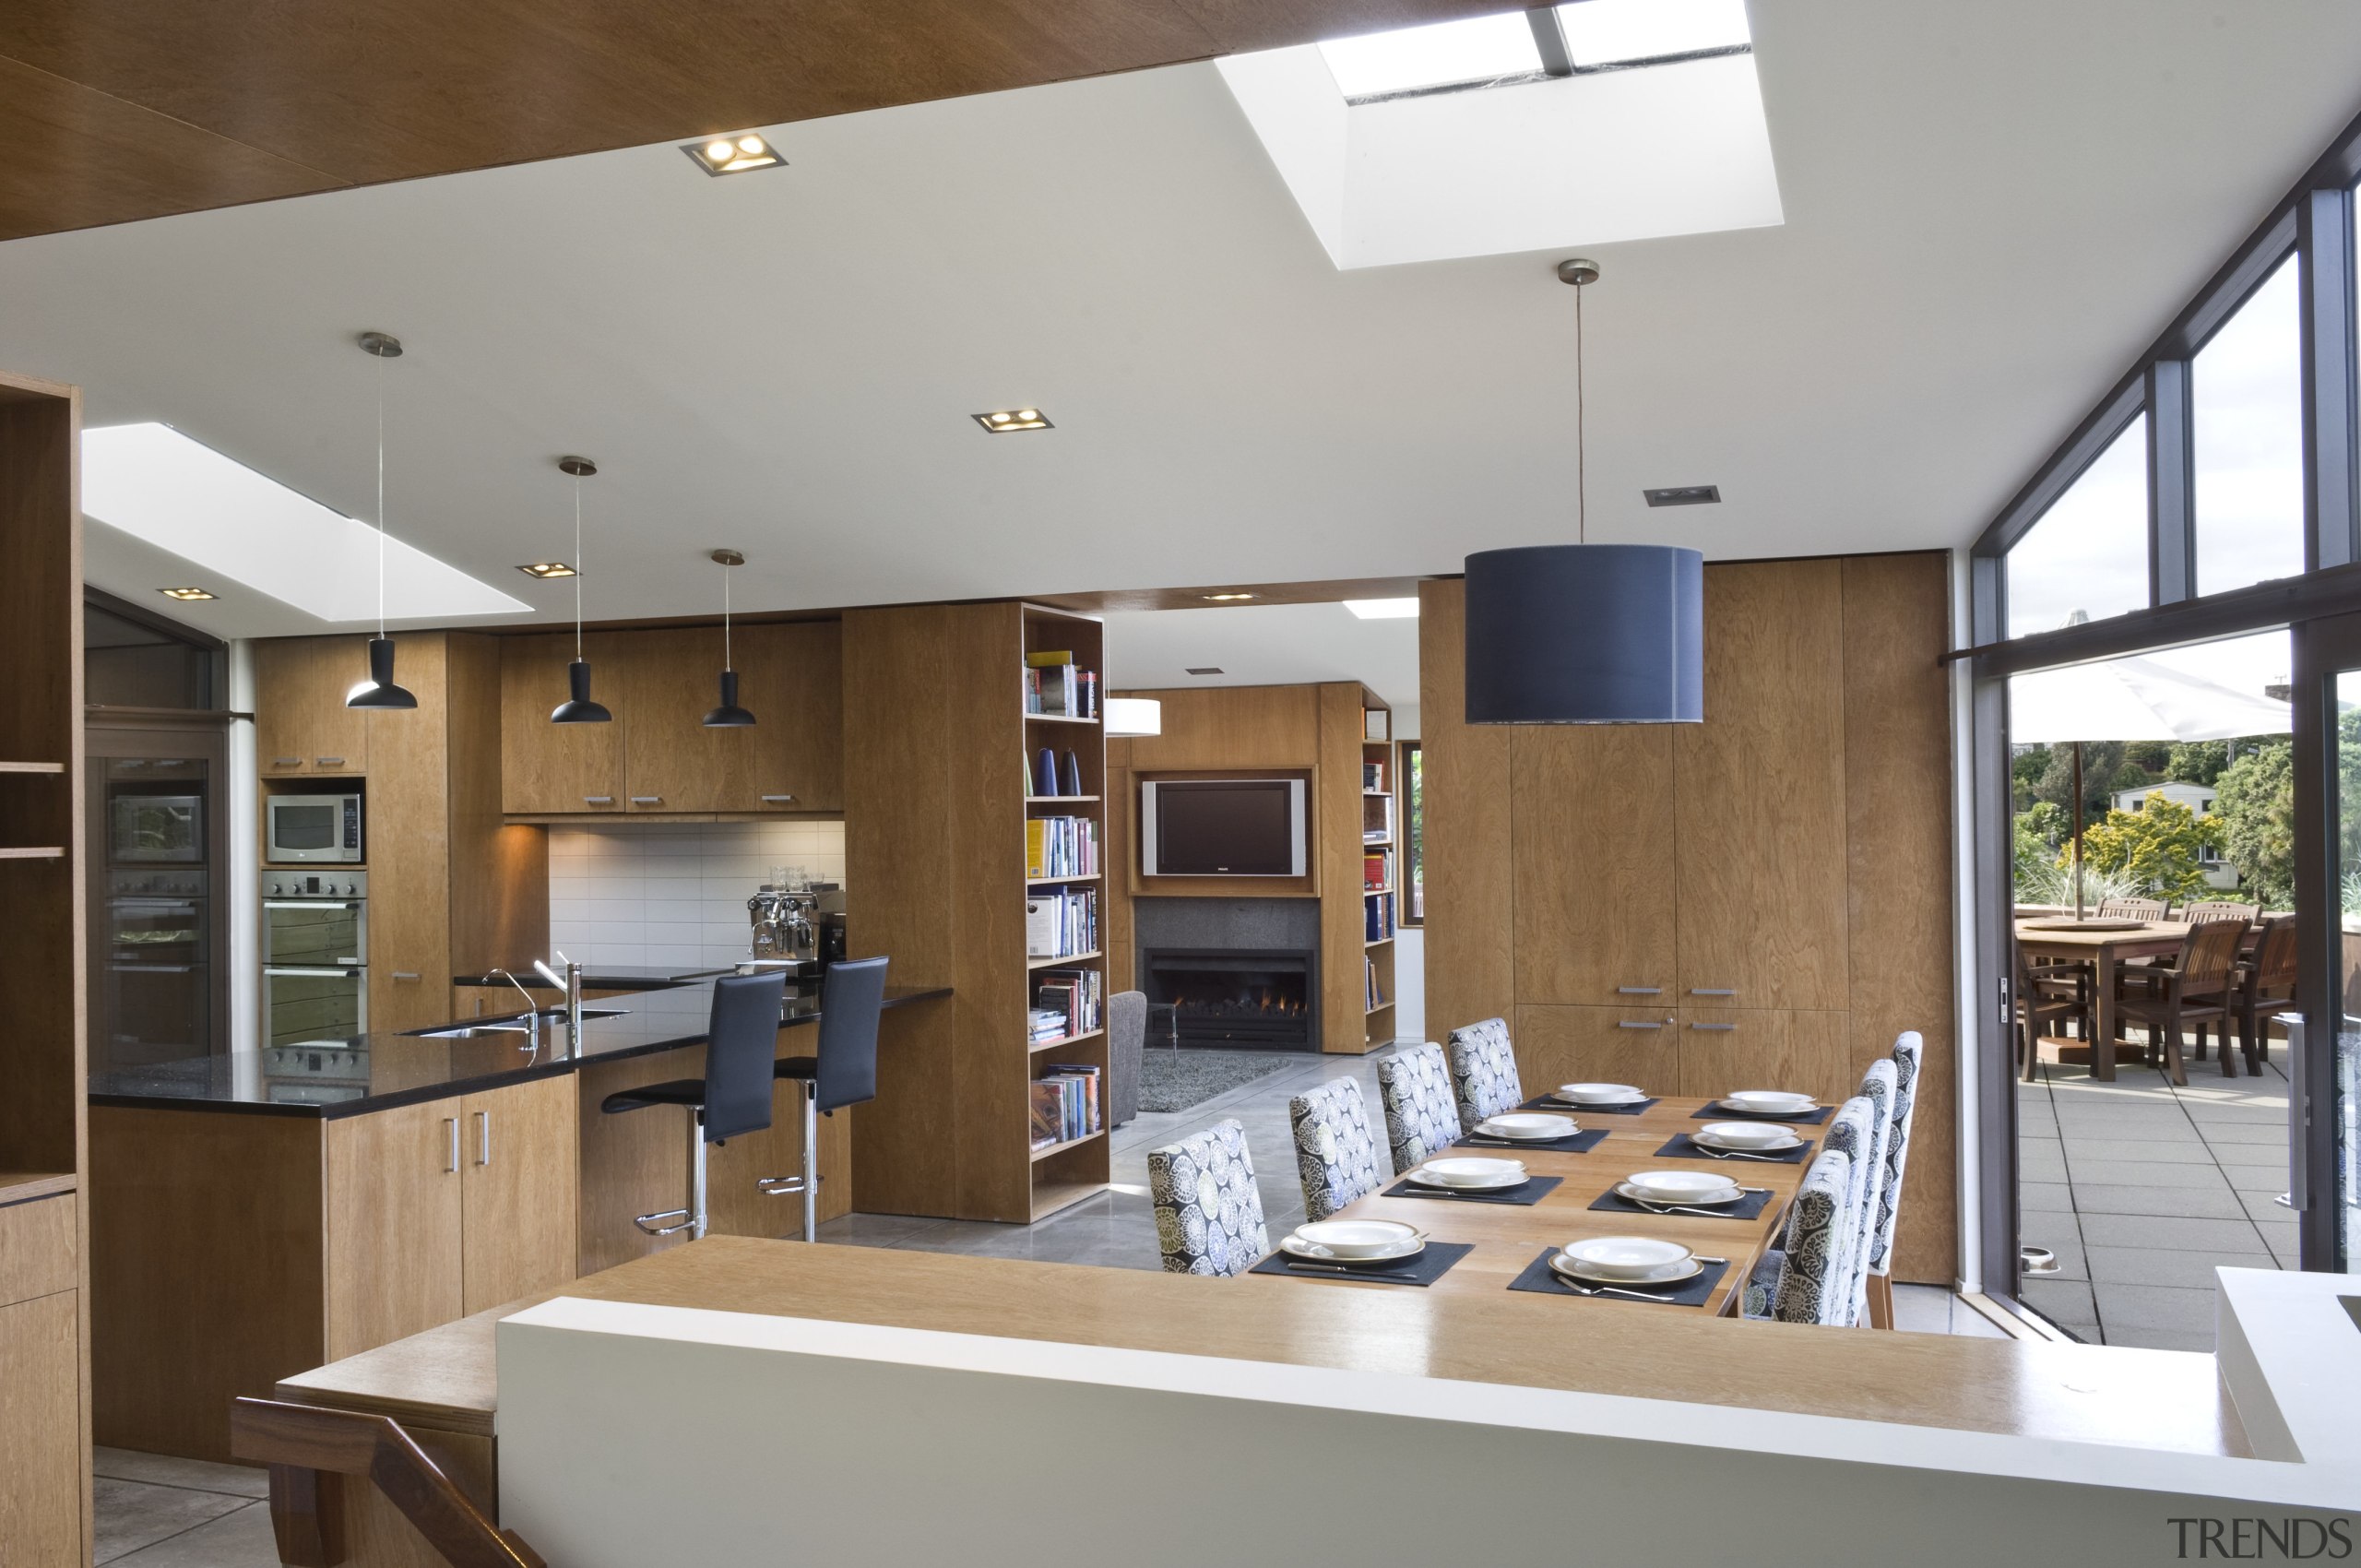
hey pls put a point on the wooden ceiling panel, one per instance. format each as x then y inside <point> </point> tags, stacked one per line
<point>1239,25</point>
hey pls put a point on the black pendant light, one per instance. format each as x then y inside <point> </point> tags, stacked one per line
<point>728,716</point>
<point>578,708</point>
<point>1583,632</point>
<point>378,689</point>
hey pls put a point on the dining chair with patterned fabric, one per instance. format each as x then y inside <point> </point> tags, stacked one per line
<point>1810,1283</point>
<point>1909,1055</point>
<point>1334,1154</point>
<point>1857,1131</point>
<point>1421,1118</point>
<point>1483,1073</point>
<point>1208,1210</point>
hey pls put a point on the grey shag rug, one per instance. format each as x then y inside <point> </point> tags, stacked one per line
<point>1176,1080</point>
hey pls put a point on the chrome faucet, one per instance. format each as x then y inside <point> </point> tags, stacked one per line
<point>571,983</point>
<point>532,1011</point>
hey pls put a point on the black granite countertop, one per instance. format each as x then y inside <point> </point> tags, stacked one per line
<point>348,1077</point>
<point>611,979</point>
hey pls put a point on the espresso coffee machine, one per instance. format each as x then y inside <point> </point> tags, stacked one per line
<point>784,923</point>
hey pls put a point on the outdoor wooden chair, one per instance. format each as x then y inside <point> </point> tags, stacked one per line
<point>2045,992</point>
<point>2202,910</point>
<point>2265,988</point>
<point>2193,991</point>
<point>2132,909</point>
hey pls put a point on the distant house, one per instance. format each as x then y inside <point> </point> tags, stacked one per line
<point>2198,799</point>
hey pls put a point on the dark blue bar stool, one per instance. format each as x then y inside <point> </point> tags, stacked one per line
<point>731,1099</point>
<point>843,1073</point>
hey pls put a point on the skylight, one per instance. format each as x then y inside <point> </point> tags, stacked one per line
<point>1600,34</point>
<point>180,496</point>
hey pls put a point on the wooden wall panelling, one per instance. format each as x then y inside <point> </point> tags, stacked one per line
<point>1471,929</point>
<point>1220,728</point>
<point>1336,830</point>
<point>499,872</point>
<point>393,1224</point>
<point>794,682</point>
<point>1898,835</point>
<point>409,844</point>
<point>1759,791</point>
<point>175,1336</point>
<point>519,1188</point>
<point>1593,879</point>
<point>898,844</point>
<point>301,727</point>
<point>46,1003</point>
<point>40,1248</point>
<point>42,1455</point>
<point>985,885</point>
<point>1616,1045</point>
<point>1763,1048</point>
<point>547,768</point>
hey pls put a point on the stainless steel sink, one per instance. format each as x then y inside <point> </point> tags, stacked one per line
<point>552,1018</point>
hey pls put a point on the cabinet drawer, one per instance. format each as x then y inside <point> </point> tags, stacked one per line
<point>42,1464</point>
<point>1565,1045</point>
<point>37,1248</point>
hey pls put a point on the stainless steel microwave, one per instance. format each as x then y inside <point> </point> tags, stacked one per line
<point>301,829</point>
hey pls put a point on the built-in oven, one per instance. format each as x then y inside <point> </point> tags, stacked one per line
<point>311,830</point>
<point>152,829</point>
<point>314,957</point>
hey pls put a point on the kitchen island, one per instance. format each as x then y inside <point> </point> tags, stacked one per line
<point>256,1213</point>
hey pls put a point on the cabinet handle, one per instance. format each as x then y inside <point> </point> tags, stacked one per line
<point>1712,990</point>
<point>483,1137</point>
<point>776,799</point>
<point>1630,1024</point>
<point>404,974</point>
<point>286,762</point>
<point>597,800</point>
<point>1717,1027</point>
<point>1639,990</point>
<point>648,799</point>
<point>453,1122</point>
<point>330,761</point>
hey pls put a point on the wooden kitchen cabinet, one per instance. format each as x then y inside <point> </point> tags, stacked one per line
<point>41,1457</point>
<point>301,726</point>
<point>1722,1049</point>
<point>672,762</point>
<point>549,768</point>
<point>1593,880</point>
<point>517,1222</point>
<point>799,740</point>
<point>1614,1045</point>
<point>392,1215</point>
<point>407,828</point>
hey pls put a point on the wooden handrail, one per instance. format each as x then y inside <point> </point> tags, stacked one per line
<point>309,1448</point>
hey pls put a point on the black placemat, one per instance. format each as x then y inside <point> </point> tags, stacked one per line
<point>1550,1102</point>
<point>1536,1187</point>
<point>1583,1142</point>
<point>1681,1147</point>
<point>1750,1206</point>
<point>1717,1112</point>
<point>1424,1269</point>
<point>1541,1279</point>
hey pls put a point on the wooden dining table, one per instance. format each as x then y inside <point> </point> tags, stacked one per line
<point>1508,1237</point>
<point>2105,951</point>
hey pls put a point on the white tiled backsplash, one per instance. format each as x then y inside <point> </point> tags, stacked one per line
<point>672,895</point>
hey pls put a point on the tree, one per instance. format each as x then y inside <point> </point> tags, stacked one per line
<point>2151,756</point>
<point>2102,760</point>
<point>2256,809</point>
<point>2198,762</point>
<point>2025,768</point>
<point>2159,848</point>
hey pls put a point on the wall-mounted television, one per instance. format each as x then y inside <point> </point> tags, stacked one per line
<point>1222,827</point>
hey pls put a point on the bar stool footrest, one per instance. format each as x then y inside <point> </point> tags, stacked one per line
<point>786,1186</point>
<point>647,1222</point>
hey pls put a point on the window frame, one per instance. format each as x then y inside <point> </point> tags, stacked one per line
<point>1409,791</point>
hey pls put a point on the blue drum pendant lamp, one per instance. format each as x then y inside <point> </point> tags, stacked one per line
<point>1582,633</point>
<point>378,689</point>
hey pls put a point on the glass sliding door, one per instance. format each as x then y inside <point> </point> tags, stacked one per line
<point>2326,1183</point>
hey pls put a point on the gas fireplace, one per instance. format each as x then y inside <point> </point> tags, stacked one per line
<point>1259,997</point>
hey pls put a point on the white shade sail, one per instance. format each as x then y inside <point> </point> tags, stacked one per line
<point>2135,699</point>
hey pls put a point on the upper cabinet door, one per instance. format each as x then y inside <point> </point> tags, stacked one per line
<point>1759,791</point>
<point>672,762</point>
<point>1593,875</point>
<point>545,767</point>
<point>301,723</point>
<point>797,672</point>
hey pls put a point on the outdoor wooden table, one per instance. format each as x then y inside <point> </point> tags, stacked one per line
<point>2105,951</point>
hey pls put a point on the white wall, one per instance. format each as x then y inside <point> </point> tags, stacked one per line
<point>662,895</point>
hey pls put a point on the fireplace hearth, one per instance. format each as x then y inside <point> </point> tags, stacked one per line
<point>1264,998</point>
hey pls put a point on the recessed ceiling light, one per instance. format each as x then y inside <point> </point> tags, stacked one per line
<point>1685,495</point>
<point>185,594</point>
<point>1009,420</point>
<point>1203,670</point>
<point>734,155</point>
<point>546,569</point>
<point>1383,609</point>
<point>1228,598</point>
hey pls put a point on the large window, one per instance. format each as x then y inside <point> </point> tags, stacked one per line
<point>2087,558</point>
<point>2246,388</point>
<point>1413,860</point>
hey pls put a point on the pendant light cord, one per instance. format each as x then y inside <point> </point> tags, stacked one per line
<point>1582,464</point>
<point>577,568</point>
<point>726,662</point>
<point>381,496</point>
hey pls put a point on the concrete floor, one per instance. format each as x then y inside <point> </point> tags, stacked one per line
<point>2143,1190</point>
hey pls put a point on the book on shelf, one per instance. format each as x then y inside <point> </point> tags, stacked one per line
<point>1377,871</point>
<point>1054,686</point>
<point>1377,724</point>
<point>1064,1105</point>
<point>1377,819</point>
<point>1377,916</point>
<point>1372,776</point>
<point>1373,1000</point>
<point>1061,922</point>
<point>1060,845</point>
<point>1072,997</point>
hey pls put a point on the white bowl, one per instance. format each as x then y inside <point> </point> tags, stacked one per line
<point>1472,1172</point>
<point>1357,1238</point>
<point>1529,1124</point>
<point>1599,1094</point>
<point>1680,1186</point>
<point>1747,1134</point>
<point>1770,1102</point>
<point>1628,1257</point>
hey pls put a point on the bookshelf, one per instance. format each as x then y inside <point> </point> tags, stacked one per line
<point>1380,847</point>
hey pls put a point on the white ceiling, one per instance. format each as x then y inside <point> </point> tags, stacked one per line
<point>1265,645</point>
<point>1989,209</point>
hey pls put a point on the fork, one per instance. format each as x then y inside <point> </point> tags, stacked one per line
<point>1677,1209</point>
<point>1351,1273</point>
<point>1733,1153</point>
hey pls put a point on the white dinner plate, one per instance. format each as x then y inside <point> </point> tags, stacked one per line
<point>1770,1102</point>
<point>1296,1246</point>
<point>1745,1137</point>
<point>1625,1257</point>
<point>1529,1126</point>
<point>1470,1175</point>
<point>1561,1264</point>
<point>1597,1094</point>
<point>1680,1186</point>
<point>1358,1238</point>
<point>1713,1199</point>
